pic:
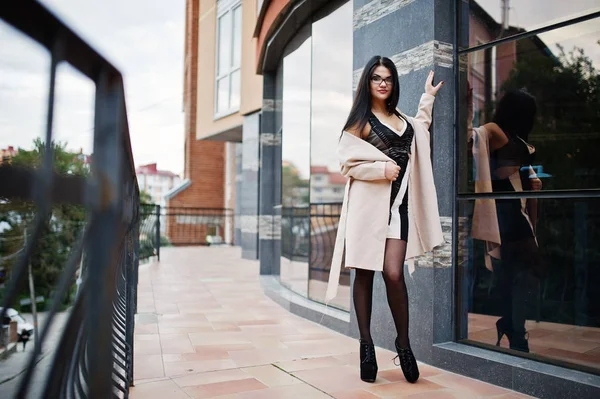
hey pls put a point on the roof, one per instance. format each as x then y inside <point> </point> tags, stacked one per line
<point>176,190</point>
<point>321,170</point>
<point>336,178</point>
<point>151,169</point>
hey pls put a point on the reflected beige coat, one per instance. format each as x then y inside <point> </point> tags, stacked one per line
<point>362,230</point>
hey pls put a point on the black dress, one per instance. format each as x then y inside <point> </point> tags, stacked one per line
<point>395,145</point>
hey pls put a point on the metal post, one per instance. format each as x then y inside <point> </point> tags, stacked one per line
<point>36,336</point>
<point>157,232</point>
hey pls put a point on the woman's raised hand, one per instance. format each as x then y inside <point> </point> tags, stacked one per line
<point>391,171</point>
<point>429,87</point>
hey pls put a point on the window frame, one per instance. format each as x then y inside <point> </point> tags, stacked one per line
<point>229,8</point>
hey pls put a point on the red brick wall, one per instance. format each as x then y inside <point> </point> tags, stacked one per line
<point>204,160</point>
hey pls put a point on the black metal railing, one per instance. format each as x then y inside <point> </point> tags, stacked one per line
<point>162,226</point>
<point>94,356</point>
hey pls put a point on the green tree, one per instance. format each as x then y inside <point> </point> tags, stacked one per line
<point>567,91</point>
<point>61,227</point>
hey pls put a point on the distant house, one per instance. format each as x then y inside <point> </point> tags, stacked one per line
<point>156,182</point>
<point>326,186</point>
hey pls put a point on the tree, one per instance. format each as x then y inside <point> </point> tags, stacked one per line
<point>567,91</point>
<point>61,227</point>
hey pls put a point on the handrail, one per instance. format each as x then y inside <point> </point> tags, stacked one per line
<point>94,358</point>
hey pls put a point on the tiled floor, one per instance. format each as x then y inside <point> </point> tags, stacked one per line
<point>564,342</point>
<point>205,330</point>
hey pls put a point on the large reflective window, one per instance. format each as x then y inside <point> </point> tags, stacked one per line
<point>295,168</point>
<point>488,20</point>
<point>331,102</point>
<point>529,268</point>
<point>560,71</point>
<point>538,289</point>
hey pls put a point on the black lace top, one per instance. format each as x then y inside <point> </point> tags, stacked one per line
<point>393,145</point>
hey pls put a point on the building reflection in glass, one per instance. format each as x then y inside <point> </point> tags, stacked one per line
<point>295,167</point>
<point>331,103</point>
<point>528,281</point>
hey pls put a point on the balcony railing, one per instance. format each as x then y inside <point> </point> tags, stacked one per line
<point>94,356</point>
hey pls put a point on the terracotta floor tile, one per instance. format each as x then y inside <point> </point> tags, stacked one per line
<point>165,329</point>
<point>214,298</point>
<point>151,328</point>
<point>188,367</point>
<point>271,376</point>
<point>334,379</point>
<point>301,391</point>
<point>458,382</point>
<point>218,389</point>
<point>404,388</point>
<point>147,344</point>
<point>354,394</point>
<point>148,366</point>
<point>210,377</point>
<point>158,390</point>
<point>309,364</point>
<point>176,343</point>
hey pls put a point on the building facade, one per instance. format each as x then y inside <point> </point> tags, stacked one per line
<point>157,183</point>
<point>269,153</point>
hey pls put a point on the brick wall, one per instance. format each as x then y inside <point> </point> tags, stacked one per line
<point>204,160</point>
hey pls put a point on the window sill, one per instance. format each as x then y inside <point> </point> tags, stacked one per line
<point>225,114</point>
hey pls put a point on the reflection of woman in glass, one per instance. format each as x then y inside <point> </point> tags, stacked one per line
<point>390,208</point>
<point>502,159</point>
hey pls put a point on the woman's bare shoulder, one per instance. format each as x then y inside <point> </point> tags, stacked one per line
<point>355,131</point>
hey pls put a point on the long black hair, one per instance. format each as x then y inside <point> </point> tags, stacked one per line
<point>515,113</point>
<point>361,108</point>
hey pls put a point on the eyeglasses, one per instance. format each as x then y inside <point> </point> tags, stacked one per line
<point>378,79</point>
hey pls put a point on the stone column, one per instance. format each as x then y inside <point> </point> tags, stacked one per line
<point>269,226</point>
<point>249,192</point>
<point>417,36</point>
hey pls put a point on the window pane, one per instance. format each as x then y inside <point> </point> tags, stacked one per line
<point>295,168</point>
<point>330,105</point>
<point>224,42</point>
<point>545,284</point>
<point>483,19</point>
<point>237,37</point>
<point>223,94</point>
<point>560,71</point>
<point>235,90</point>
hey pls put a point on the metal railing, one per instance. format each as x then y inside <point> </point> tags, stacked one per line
<point>94,356</point>
<point>183,226</point>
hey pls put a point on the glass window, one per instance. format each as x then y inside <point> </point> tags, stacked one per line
<point>295,169</point>
<point>224,40</point>
<point>223,94</point>
<point>540,289</point>
<point>237,37</point>
<point>229,49</point>
<point>235,89</point>
<point>544,91</point>
<point>331,103</point>
<point>489,20</point>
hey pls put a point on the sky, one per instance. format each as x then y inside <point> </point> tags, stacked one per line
<point>144,39</point>
<point>533,14</point>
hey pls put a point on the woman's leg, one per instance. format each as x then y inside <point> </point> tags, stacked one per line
<point>393,275</point>
<point>363,300</point>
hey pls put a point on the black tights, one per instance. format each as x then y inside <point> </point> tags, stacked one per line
<point>393,275</point>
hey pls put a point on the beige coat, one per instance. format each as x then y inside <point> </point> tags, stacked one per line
<point>362,229</point>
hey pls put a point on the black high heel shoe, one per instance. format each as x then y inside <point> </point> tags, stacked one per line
<point>518,342</point>
<point>503,328</point>
<point>368,362</point>
<point>408,363</point>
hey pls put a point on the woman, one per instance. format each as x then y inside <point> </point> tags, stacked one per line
<point>503,161</point>
<point>390,208</point>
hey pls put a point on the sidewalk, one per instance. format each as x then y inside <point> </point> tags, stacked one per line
<point>205,330</point>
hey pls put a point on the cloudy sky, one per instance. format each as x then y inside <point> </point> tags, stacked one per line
<point>143,38</point>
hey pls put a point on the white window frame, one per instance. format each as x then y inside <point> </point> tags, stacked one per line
<point>224,7</point>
